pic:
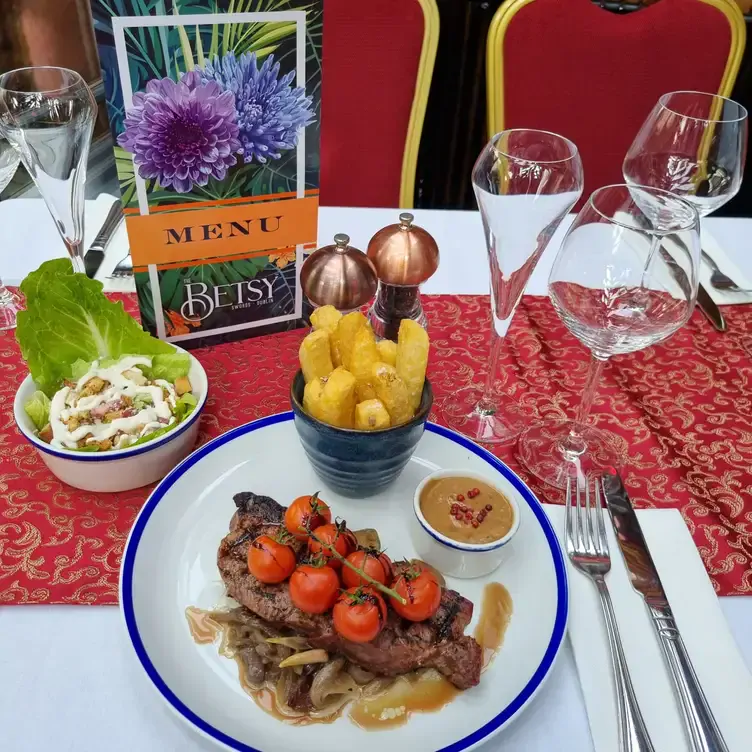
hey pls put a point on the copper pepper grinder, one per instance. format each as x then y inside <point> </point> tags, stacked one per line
<point>338,275</point>
<point>405,256</point>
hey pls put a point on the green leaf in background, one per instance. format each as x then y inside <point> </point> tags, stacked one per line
<point>38,409</point>
<point>68,318</point>
<point>126,175</point>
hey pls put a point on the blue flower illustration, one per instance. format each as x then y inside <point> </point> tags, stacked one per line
<point>270,111</point>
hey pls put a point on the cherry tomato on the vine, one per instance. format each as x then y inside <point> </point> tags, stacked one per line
<point>314,589</point>
<point>306,513</point>
<point>419,587</point>
<point>359,614</point>
<point>270,560</point>
<point>336,536</point>
<point>378,566</point>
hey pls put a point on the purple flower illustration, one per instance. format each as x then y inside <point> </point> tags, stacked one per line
<point>270,111</point>
<point>182,133</point>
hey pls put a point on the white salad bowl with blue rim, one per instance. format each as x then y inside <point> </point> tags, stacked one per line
<point>451,557</point>
<point>118,469</point>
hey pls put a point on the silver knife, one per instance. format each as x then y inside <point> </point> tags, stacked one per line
<point>702,730</point>
<point>95,255</point>
<point>705,303</point>
<point>710,308</point>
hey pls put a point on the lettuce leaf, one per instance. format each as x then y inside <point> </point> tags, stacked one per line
<point>38,409</point>
<point>183,408</point>
<point>68,318</point>
<point>168,367</point>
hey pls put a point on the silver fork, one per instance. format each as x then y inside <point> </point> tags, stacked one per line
<point>718,279</point>
<point>123,268</point>
<point>587,547</point>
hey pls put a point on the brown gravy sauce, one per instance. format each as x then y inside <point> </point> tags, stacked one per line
<point>495,614</point>
<point>421,691</point>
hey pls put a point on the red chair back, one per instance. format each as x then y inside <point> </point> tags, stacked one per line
<point>371,62</point>
<point>593,76</point>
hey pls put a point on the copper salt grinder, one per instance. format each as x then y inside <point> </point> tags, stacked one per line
<point>405,256</point>
<point>338,275</point>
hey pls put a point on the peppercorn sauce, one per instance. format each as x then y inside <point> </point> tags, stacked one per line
<point>466,510</point>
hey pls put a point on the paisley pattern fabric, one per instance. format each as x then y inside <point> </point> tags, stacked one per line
<point>682,409</point>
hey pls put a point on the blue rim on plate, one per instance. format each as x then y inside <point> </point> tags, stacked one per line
<point>131,548</point>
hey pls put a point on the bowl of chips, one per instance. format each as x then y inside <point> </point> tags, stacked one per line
<point>360,405</point>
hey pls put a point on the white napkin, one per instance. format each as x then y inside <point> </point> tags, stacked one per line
<point>714,249</point>
<point>36,238</point>
<point>715,656</point>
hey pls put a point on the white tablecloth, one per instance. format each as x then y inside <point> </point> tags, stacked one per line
<point>68,680</point>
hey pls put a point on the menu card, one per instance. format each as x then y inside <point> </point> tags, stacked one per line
<point>214,108</point>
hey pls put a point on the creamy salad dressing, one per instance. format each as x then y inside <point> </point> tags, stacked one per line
<point>123,379</point>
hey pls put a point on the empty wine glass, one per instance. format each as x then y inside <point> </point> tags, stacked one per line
<point>525,183</point>
<point>9,303</point>
<point>625,278</point>
<point>694,145</point>
<point>47,114</point>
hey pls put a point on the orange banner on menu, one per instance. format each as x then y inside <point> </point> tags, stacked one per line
<point>186,236</point>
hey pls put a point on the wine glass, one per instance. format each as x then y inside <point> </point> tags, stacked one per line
<point>525,183</point>
<point>47,114</point>
<point>9,303</point>
<point>625,278</point>
<point>694,145</point>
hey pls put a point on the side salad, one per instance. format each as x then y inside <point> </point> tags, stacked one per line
<point>103,383</point>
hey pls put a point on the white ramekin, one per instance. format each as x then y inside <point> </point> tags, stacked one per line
<point>450,557</point>
<point>117,469</point>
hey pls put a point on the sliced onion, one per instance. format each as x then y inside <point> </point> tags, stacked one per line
<point>330,685</point>
<point>296,643</point>
<point>307,656</point>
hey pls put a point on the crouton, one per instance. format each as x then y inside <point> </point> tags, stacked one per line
<point>46,433</point>
<point>93,386</point>
<point>183,386</point>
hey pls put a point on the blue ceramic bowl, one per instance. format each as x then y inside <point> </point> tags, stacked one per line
<point>357,463</point>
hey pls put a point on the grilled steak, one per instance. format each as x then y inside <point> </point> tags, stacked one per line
<point>400,647</point>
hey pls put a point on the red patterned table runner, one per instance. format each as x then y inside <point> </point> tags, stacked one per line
<point>684,408</point>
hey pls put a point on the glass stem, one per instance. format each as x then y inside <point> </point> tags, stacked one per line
<point>574,444</point>
<point>493,361</point>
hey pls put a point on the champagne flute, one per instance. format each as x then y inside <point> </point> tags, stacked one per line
<point>525,183</point>
<point>9,303</point>
<point>47,114</point>
<point>694,145</point>
<point>625,278</point>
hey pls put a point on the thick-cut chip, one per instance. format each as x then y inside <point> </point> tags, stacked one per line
<point>315,356</point>
<point>344,337</point>
<point>412,359</point>
<point>312,395</point>
<point>387,351</point>
<point>391,390</point>
<point>363,357</point>
<point>371,415</point>
<point>338,399</point>
<point>327,317</point>
<point>364,391</point>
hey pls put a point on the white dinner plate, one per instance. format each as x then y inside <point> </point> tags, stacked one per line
<point>169,563</point>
